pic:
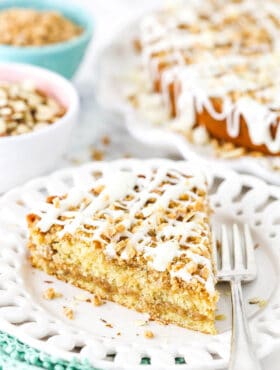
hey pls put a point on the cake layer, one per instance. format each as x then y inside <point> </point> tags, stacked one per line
<point>131,287</point>
<point>195,54</point>
<point>139,238</point>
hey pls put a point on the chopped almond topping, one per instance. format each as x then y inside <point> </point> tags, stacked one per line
<point>56,202</point>
<point>120,228</point>
<point>130,251</point>
<point>191,267</point>
<point>204,273</point>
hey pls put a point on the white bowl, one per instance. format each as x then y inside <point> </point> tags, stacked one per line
<point>25,156</point>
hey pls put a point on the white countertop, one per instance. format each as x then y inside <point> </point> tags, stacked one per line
<point>111,15</point>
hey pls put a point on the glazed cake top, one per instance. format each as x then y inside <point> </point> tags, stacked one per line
<point>154,216</point>
<point>229,50</point>
<point>245,27</point>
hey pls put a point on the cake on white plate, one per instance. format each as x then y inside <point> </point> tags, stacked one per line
<point>138,237</point>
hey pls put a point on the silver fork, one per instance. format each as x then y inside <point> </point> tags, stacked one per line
<point>236,263</point>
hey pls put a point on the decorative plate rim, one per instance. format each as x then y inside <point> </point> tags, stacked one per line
<point>270,339</point>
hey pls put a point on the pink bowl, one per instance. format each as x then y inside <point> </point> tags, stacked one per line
<point>25,156</point>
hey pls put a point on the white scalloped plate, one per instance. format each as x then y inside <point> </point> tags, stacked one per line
<point>42,324</point>
<point>114,65</point>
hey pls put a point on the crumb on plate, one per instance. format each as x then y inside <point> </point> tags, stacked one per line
<point>97,155</point>
<point>50,294</point>
<point>256,300</point>
<point>149,334</point>
<point>82,298</point>
<point>220,317</point>
<point>68,312</point>
<point>96,300</point>
<point>106,140</point>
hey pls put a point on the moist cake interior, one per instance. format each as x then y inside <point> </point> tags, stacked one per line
<point>140,238</point>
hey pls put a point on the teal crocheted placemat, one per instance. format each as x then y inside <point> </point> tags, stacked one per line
<point>14,355</point>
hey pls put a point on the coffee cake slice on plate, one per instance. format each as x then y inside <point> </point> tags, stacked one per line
<point>136,236</point>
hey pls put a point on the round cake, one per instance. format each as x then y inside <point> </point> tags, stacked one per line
<point>216,64</point>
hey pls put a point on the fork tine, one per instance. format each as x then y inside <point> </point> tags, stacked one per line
<point>250,252</point>
<point>215,252</point>
<point>225,250</point>
<point>237,248</point>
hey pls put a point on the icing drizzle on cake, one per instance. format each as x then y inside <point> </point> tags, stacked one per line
<point>156,215</point>
<point>216,51</point>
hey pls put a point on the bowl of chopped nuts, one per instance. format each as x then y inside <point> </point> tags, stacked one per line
<point>38,110</point>
<point>53,34</point>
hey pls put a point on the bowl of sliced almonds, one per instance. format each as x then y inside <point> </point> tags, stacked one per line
<point>38,110</point>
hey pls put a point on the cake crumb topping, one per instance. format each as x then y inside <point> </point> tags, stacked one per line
<point>154,216</point>
<point>216,58</point>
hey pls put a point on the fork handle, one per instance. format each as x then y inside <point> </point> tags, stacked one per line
<point>242,355</point>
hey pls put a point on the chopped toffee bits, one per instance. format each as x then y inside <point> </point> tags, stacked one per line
<point>50,294</point>
<point>220,317</point>
<point>29,27</point>
<point>68,312</point>
<point>149,334</point>
<point>23,108</point>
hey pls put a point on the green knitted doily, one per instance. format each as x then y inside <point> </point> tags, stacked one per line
<point>14,355</point>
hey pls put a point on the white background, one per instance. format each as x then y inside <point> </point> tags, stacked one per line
<point>109,16</point>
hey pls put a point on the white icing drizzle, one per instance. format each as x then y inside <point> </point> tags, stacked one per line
<point>161,239</point>
<point>250,69</point>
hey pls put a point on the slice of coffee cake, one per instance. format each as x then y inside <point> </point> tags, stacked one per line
<point>140,238</point>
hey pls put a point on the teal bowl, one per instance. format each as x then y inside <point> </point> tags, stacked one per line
<point>63,58</point>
